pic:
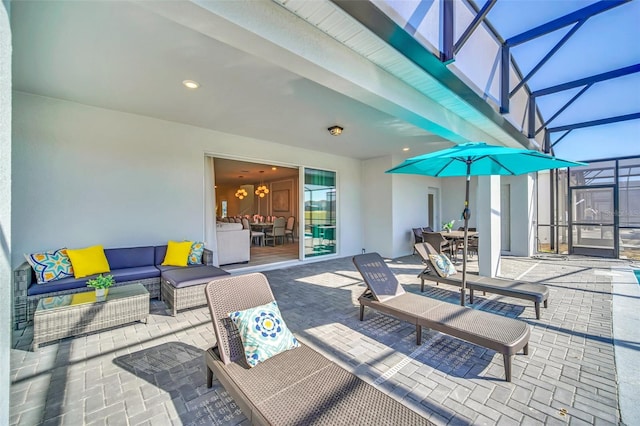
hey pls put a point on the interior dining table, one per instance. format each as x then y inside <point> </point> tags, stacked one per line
<point>261,226</point>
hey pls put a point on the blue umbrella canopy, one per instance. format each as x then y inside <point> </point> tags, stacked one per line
<point>478,159</point>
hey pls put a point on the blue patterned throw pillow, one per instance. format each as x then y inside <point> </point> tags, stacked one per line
<point>442,265</point>
<point>195,255</point>
<point>50,265</point>
<point>263,332</point>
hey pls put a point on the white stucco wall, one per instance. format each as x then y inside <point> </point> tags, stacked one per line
<point>377,206</point>
<point>5,211</point>
<point>453,192</point>
<point>410,208</point>
<point>85,175</point>
<point>392,205</point>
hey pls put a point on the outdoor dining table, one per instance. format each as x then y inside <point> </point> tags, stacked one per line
<point>456,237</point>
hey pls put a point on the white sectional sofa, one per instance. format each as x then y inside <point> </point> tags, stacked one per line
<point>234,243</point>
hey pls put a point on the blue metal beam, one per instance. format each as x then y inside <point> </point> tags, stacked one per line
<point>446,55</point>
<point>546,145</point>
<point>602,121</point>
<point>563,21</point>
<point>473,25</point>
<point>548,56</point>
<point>572,100</point>
<point>588,80</point>
<point>532,117</point>
<point>505,60</point>
<point>559,139</point>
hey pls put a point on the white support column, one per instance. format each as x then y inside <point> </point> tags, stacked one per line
<point>6,291</point>
<point>487,212</point>
<point>522,214</point>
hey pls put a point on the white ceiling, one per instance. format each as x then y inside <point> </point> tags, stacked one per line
<point>125,56</point>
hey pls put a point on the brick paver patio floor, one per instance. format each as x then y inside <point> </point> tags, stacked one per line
<point>154,373</point>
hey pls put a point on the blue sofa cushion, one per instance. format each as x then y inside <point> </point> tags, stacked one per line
<point>120,275</point>
<point>133,274</point>
<point>131,257</point>
<point>160,253</point>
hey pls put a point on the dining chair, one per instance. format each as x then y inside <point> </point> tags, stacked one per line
<point>438,242</point>
<point>417,237</point>
<point>257,237</point>
<point>472,246</point>
<point>290,228</point>
<point>277,231</point>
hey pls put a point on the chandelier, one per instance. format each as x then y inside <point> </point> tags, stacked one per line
<point>262,190</point>
<point>241,193</point>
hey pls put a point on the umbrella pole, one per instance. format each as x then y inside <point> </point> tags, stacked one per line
<point>466,214</point>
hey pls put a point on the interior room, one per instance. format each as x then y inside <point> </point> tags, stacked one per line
<point>258,192</point>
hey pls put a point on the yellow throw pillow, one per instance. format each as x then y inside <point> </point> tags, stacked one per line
<point>177,253</point>
<point>88,261</point>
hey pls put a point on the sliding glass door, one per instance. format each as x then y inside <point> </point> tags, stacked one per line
<point>320,218</point>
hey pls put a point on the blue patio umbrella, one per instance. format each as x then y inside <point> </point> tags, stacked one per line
<point>478,159</point>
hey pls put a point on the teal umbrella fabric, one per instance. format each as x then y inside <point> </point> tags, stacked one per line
<point>478,159</point>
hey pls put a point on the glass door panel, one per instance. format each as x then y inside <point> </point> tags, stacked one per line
<point>592,221</point>
<point>320,218</point>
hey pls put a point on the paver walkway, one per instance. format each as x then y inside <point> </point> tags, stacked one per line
<point>154,373</point>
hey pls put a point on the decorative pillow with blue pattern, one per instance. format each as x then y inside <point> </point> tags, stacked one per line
<point>263,332</point>
<point>195,255</point>
<point>50,265</point>
<point>442,265</point>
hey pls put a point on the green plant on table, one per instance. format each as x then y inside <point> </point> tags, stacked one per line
<point>448,226</point>
<point>101,282</point>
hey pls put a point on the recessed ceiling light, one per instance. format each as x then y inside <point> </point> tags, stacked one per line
<point>335,130</point>
<point>190,84</point>
<point>405,149</point>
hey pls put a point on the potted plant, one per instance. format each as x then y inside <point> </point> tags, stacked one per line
<point>448,226</point>
<point>101,283</point>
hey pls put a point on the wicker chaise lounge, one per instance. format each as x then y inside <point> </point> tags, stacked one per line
<point>537,293</point>
<point>295,387</point>
<point>385,294</point>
